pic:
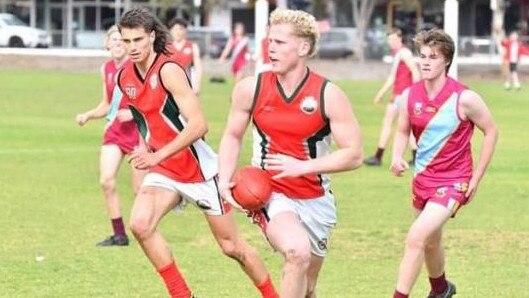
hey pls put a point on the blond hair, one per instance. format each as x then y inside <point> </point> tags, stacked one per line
<point>109,33</point>
<point>304,25</point>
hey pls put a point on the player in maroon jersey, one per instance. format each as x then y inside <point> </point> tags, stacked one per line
<point>182,167</point>
<point>295,113</point>
<point>120,137</point>
<point>237,47</point>
<point>441,113</point>
<point>403,73</point>
<point>185,52</point>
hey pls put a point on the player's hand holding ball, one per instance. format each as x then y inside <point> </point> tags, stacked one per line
<point>251,188</point>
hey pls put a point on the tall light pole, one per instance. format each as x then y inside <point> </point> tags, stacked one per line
<point>261,21</point>
<point>451,26</point>
<point>197,4</point>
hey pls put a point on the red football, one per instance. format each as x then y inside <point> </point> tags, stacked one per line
<point>252,187</point>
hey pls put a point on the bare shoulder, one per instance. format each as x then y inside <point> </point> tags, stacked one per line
<point>336,101</point>
<point>469,97</point>
<point>243,92</point>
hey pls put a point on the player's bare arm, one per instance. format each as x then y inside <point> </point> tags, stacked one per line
<point>407,57</point>
<point>238,119</point>
<point>172,76</point>
<point>346,133</point>
<point>402,134</point>
<point>474,109</point>
<point>387,85</point>
<point>197,69</point>
<point>100,111</point>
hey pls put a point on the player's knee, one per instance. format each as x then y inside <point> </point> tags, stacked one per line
<point>233,249</point>
<point>298,257</point>
<point>415,240</point>
<point>431,246</point>
<point>140,228</point>
<point>107,183</point>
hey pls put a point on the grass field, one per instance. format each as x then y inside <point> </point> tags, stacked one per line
<point>51,205</point>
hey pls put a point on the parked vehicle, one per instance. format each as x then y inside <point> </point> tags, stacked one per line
<point>15,33</point>
<point>210,41</point>
<point>337,43</point>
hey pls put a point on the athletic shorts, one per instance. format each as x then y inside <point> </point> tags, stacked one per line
<point>451,196</point>
<point>318,217</point>
<point>124,135</point>
<point>513,67</point>
<point>204,195</point>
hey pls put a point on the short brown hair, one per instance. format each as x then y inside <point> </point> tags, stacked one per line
<point>439,39</point>
<point>396,31</point>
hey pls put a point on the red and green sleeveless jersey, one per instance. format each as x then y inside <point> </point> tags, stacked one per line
<point>443,138</point>
<point>294,126</point>
<point>183,56</point>
<point>159,121</point>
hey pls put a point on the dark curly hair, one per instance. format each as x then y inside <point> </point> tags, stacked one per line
<point>141,17</point>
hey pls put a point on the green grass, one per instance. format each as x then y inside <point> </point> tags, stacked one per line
<point>50,204</point>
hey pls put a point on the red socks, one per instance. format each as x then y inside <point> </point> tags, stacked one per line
<point>438,284</point>
<point>267,289</point>
<point>174,281</point>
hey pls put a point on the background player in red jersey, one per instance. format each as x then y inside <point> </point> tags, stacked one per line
<point>238,47</point>
<point>185,52</point>
<point>182,167</point>
<point>403,73</point>
<point>441,114</point>
<point>295,113</point>
<point>120,137</point>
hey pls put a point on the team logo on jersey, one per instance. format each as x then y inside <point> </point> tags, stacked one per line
<point>417,109</point>
<point>131,91</point>
<point>322,244</point>
<point>440,192</point>
<point>110,78</point>
<point>308,105</point>
<point>153,81</point>
<point>430,109</point>
<point>187,51</point>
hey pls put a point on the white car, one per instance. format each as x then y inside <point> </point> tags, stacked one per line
<point>15,33</point>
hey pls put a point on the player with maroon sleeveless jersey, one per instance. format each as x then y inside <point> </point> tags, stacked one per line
<point>182,167</point>
<point>185,52</point>
<point>441,114</point>
<point>120,137</point>
<point>295,113</point>
<point>403,73</point>
<point>237,47</point>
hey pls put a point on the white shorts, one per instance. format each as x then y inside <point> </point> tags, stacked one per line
<point>318,216</point>
<point>204,195</point>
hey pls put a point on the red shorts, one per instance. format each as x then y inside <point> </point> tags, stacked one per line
<point>451,196</point>
<point>124,135</point>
